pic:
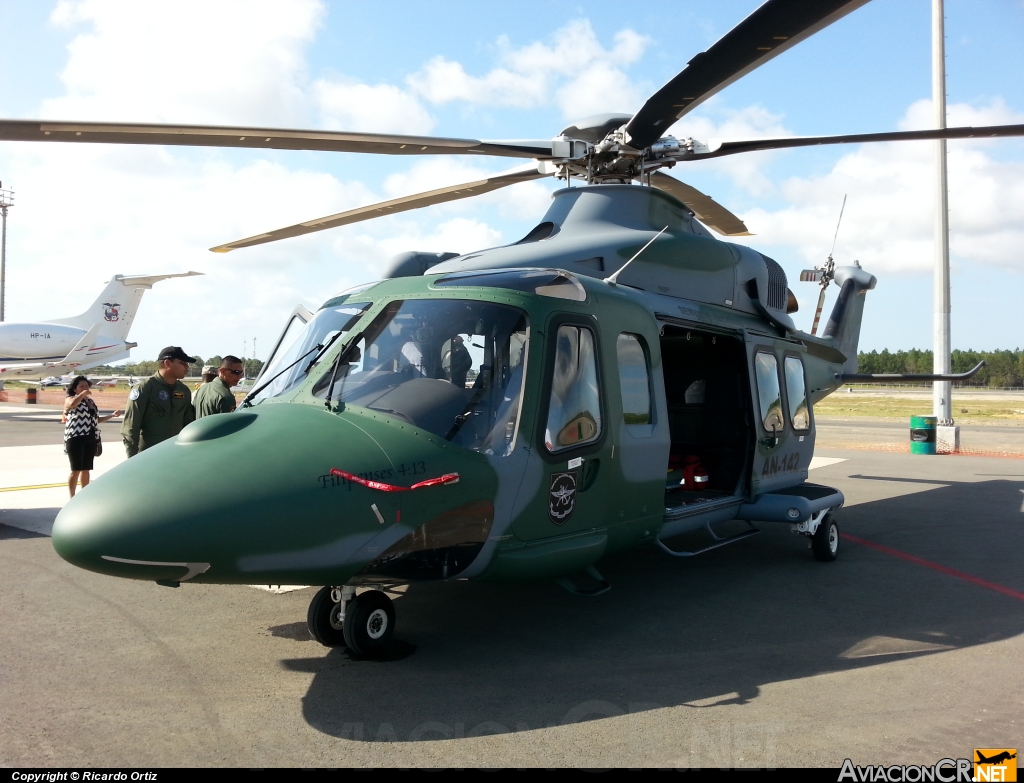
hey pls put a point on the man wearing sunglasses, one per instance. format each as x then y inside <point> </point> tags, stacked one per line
<point>216,396</point>
<point>160,406</point>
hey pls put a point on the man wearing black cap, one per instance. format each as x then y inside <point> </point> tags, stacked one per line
<point>160,406</point>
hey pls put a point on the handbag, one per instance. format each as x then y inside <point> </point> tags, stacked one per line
<point>99,443</point>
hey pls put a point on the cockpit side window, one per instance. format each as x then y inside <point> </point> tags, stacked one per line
<point>302,346</point>
<point>452,367</point>
<point>769,395</point>
<point>574,408</point>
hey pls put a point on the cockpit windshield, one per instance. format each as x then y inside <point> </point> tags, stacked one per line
<point>451,367</point>
<point>295,359</point>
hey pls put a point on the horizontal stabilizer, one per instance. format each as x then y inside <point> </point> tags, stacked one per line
<point>146,281</point>
<point>80,352</point>
<point>897,377</point>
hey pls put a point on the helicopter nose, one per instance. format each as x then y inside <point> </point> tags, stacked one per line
<point>227,500</point>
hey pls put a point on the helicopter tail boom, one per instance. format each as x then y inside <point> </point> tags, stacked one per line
<point>843,327</point>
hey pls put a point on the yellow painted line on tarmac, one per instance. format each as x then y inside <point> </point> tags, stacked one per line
<point>33,486</point>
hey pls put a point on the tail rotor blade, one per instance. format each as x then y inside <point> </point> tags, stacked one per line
<point>817,312</point>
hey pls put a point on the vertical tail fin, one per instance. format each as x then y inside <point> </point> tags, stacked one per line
<point>115,308</point>
<point>843,326</point>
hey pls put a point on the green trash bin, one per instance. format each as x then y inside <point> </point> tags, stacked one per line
<point>922,434</point>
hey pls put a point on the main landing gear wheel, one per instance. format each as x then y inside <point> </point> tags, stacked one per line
<point>369,622</point>
<point>324,619</point>
<point>825,541</point>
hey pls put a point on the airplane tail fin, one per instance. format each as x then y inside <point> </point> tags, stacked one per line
<point>115,308</point>
<point>843,326</point>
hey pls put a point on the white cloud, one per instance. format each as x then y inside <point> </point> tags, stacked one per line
<point>889,219</point>
<point>443,81</point>
<point>717,122</point>
<point>920,115</point>
<point>86,213</point>
<point>572,70</point>
<point>349,105</point>
<point>192,61</point>
<point>373,245</point>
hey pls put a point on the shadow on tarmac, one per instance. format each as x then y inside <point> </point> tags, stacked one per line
<point>494,659</point>
<point>41,518</point>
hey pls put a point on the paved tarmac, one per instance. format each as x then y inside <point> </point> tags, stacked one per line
<point>864,432</point>
<point>907,649</point>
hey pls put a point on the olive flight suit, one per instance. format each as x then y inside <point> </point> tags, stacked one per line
<point>214,397</point>
<point>156,411</point>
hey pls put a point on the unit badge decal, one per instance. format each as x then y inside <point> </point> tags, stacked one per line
<point>562,496</point>
<point>134,394</point>
<point>163,395</point>
<point>110,311</point>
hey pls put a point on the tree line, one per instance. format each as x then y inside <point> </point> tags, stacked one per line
<point>148,367</point>
<point>1002,368</point>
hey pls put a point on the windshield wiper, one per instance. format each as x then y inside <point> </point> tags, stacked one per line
<point>246,401</point>
<point>320,349</point>
<point>345,353</point>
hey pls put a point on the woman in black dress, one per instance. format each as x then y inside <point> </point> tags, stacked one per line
<point>81,430</point>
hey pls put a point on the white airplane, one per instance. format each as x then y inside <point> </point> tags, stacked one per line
<point>32,351</point>
<point>95,380</point>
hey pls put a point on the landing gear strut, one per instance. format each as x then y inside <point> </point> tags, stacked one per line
<point>823,530</point>
<point>363,623</point>
<point>825,541</point>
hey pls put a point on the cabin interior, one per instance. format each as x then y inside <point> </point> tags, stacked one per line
<point>709,410</point>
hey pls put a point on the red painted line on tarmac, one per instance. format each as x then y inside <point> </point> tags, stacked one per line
<point>940,568</point>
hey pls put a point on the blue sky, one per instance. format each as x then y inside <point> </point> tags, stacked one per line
<point>487,71</point>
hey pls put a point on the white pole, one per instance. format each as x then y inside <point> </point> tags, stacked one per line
<point>3,256</point>
<point>941,390</point>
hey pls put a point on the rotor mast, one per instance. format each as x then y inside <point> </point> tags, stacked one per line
<point>941,390</point>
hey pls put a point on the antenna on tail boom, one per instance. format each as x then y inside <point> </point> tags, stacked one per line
<point>824,273</point>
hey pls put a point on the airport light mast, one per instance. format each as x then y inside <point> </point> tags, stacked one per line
<point>942,391</point>
<point>6,202</point>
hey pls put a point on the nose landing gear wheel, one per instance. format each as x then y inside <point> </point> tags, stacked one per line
<point>825,541</point>
<point>324,619</point>
<point>369,622</point>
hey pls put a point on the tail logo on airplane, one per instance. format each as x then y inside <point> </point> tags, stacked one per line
<point>110,311</point>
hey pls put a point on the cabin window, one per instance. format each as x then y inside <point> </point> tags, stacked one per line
<point>796,393</point>
<point>635,383</point>
<point>574,409</point>
<point>766,368</point>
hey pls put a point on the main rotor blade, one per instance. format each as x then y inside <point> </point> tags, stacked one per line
<point>770,30</point>
<point>394,206</point>
<point>981,132</point>
<point>707,210</point>
<point>265,138</point>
